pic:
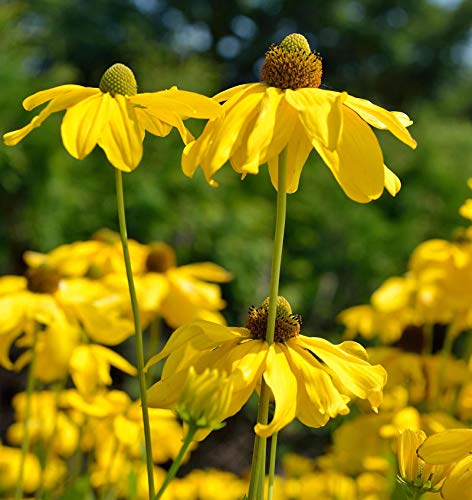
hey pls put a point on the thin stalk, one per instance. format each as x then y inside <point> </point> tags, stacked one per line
<point>256,485</point>
<point>137,326</point>
<point>273,455</point>
<point>428,339</point>
<point>153,345</point>
<point>26,435</point>
<point>192,429</point>
<point>445,352</point>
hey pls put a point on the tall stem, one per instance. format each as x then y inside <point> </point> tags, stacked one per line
<point>26,435</point>
<point>273,454</point>
<point>120,201</point>
<point>192,429</point>
<point>256,485</point>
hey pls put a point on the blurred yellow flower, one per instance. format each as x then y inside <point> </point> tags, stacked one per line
<point>447,446</point>
<point>288,110</point>
<point>114,116</point>
<point>310,378</point>
<point>458,483</point>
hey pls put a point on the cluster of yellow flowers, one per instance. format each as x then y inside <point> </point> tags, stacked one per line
<point>73,302</point>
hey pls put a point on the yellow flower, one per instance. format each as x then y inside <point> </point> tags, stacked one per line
<point>114,116</point>
<point>466,209</point>
<point>414,472</point>
<point>288,110</point>
<point>310,378</point>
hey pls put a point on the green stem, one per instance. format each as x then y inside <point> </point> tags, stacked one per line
<point>273,455</point>
<point>256,485</point>
<point>428,338</point>
<point>192,429</point>
<point>137,325</point>
<point>153,345</point>
<point>26,435</point>
<point>445,353</point>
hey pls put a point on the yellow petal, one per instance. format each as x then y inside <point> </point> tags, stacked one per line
<point>349,369</point>
<point>357,163</point>
<point>285,123</point>
<point>322,398</point>
<point>283,384</point>
<point>200,334</point>
<point>122,140</point>
<point>207,271</point>
<point>321,114</point>
<point>175,120</point>
<point>152,123</point>
<point>382,119</point>
<point>392,182</point>
<point>185,104</point>
<point>458,484</point>
<point>298,149</point>
<point>228,94</point>
<point>82,124</point>
<point>447,446</point>
<point>60,102</point>
<point>43,96</point>
<point>226,135</point>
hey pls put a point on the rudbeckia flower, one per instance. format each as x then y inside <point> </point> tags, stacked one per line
<point>115,116</point>
<point>309,377</point>
<point>288,111</point>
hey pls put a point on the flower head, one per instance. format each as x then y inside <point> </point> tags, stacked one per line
<point>288,110</point>
<point>309,377</point>
<point>114,116</point>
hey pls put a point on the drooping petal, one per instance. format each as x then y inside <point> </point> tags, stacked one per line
<point>348,365</point>
<point>447,446</point>
<point>321,114</point>
<point>122,140</point>
<point>381,118</point>
<point>260,134</point>
<point>152,123</point>
<point>82,124</point>
<point>200,334</point>
<point>321,398</point>
<point>283,384</point>
<point>60,102</point>
<point>43,96</point>
<point>193,152</point>
<point>392,182</point>
<point>285,123</point>
<point>357,164</point>
<point>298,149</point>
<point>230,127</point>
<point>175,120</point>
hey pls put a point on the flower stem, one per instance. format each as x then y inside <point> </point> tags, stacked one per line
<point>273,454</point>
<point>26,435</point>
<point>137,326</point>
<point>153,345</point>
<point>256,485</point>
<point>192,429</point>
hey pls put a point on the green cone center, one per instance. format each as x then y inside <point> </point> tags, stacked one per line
<point>119,79</point>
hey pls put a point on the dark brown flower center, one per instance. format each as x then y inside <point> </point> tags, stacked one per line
<point>292,64</point>
<point>160,258</point>
<point>42,279</point>
<point>287,325</point>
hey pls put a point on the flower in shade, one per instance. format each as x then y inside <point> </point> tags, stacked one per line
<point>115,116</point>
<point>309,378</point>
<point>288,110</point>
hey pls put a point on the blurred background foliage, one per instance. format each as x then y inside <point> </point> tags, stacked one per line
<point>403,55</point>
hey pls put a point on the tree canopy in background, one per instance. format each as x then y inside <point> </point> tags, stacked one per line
<point>410,56</point>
